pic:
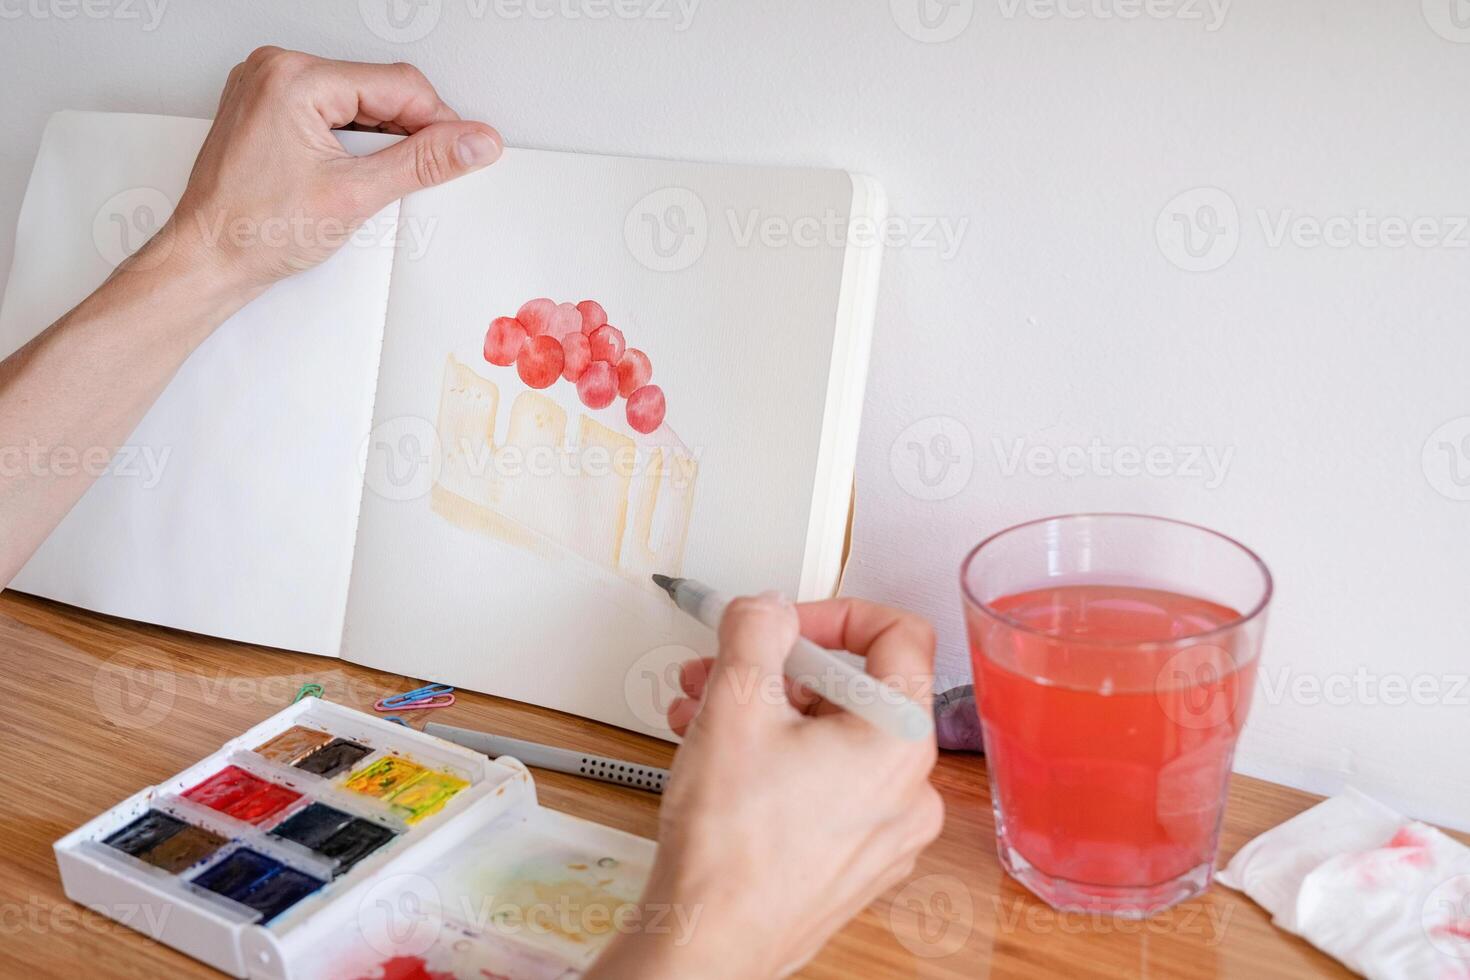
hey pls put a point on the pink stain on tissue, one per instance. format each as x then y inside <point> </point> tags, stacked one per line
<point>1414,846</point>
<point>1406,847</point>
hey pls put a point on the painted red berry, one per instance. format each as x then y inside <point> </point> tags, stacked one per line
<point>646,408</point>
<point>598,386</point>
<point>535,316</point>
<point>577,354</point>
<point>634,370</point>
<point>564,320</point>
<point>607,343</point>
<point>593,315</point>
<point>504,340</point>
<point>540,362</point>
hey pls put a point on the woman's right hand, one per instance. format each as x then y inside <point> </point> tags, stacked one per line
<point>784,817</point>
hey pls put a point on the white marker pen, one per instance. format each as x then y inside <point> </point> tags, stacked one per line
<point>821,671</point>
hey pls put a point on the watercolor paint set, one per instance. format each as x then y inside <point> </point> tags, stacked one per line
<point>327,843</point>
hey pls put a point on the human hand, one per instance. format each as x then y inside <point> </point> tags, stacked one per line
<point>273,193</point>
<point>784,816</point>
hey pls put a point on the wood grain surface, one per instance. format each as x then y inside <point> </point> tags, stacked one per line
<point>97,708</point>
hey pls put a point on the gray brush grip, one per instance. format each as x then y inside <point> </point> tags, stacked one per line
<point>622,773</point>
<point>618,771</point>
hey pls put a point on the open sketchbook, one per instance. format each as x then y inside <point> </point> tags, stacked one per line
<point>350,467</point>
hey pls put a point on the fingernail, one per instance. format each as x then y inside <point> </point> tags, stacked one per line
<point>477,149</point>
<point>775,596</point>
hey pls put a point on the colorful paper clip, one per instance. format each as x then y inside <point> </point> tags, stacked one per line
<point>439,702</point>
<point>429,696</point>
<point>308,691</point>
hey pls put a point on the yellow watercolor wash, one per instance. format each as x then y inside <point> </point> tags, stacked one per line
<point>425,795</point>
<point>632,519</point>
<point>384,777</point>
<point>595,911</point>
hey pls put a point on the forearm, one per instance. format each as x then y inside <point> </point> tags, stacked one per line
<point>72,395</point>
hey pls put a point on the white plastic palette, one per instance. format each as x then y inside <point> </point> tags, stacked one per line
<point>492,883</point>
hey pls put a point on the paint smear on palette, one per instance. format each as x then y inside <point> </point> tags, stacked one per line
<point>352,843</point>
<point>538,890</point>
<point>275,893</point>
<point>268,801</point>
<point>257,882</point>
<point>235,792</point>
<point>425,795</point>
<point>293,745</point>
<point>145,833</point>
<point>236,873</point>
<point>454,956</point>
<point>183,850</point>
<point>335,757</point>
<point>312,826</point>
<point>408,968</point>
<point>385,777</point>
<point>457,950</point>
<point>225,788</point>
<point>560,905</point>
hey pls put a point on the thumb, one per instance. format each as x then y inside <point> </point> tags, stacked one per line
<point>745,685</point>
<point>431,156</point>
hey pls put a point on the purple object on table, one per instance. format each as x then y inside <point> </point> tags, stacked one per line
<point>955,721</point>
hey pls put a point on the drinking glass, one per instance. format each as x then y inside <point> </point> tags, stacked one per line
<point>1114,658</point>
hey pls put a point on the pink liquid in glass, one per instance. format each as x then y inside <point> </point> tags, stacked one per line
<point>1112,770</point>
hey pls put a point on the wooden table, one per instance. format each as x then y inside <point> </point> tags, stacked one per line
<point>97,708</point>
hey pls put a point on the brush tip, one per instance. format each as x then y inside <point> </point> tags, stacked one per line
<point>665,582</point>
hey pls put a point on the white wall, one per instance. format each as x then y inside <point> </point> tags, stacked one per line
<point>1049,146</point>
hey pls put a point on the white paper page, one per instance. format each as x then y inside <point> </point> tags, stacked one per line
<point>514,577</point>
<point>232,511</point>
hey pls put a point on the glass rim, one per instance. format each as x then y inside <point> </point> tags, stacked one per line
<point>1267,591</point>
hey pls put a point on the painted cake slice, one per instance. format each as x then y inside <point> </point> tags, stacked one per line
<point>544,455</point>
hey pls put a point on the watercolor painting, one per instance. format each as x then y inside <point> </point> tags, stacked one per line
<point>587,462</point>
